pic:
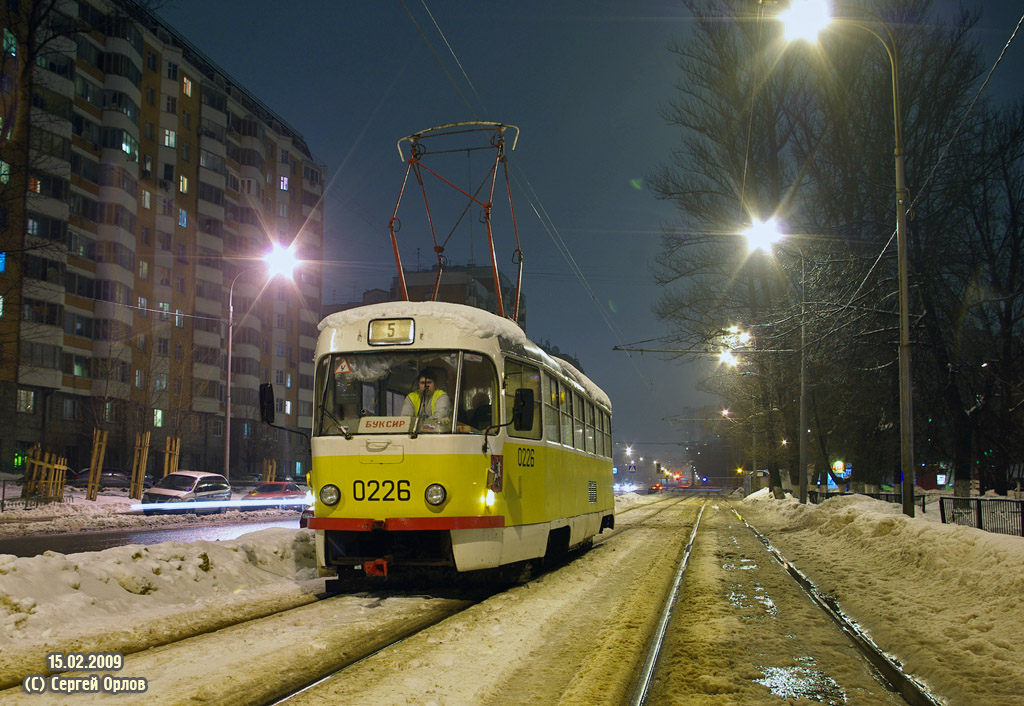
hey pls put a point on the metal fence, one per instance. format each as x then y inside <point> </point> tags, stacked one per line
<point>1001,515</point>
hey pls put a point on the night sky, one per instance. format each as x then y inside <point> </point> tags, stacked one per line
<point>583,80</point>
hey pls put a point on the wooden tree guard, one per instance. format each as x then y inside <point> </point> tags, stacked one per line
<point>45,474</point>
<point>139,465</point>
<point>99,451</point>
<point>269,470</point>
<point>171,454</point>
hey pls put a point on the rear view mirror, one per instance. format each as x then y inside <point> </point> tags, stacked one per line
<point>522,410</point>
<point>267,403</point>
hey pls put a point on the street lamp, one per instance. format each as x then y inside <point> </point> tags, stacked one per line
<point>761,235</point>
<point>279,261</point>
<point>906,401</point>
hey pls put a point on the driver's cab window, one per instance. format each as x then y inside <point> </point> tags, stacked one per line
<point>386,392</point>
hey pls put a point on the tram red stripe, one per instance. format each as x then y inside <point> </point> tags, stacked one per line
<point>399,524</point>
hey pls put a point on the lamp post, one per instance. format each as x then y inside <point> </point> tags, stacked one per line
<point>794,30</point>
<point>277,261</point>
<point>761,235</point>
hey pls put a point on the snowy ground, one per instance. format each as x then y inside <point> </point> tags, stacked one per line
<point>945,599</point>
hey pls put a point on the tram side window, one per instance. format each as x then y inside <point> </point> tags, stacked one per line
<point>590,427</point>
<point>519,375</point>
<point>605,433</point>
<point>551,421</point>
<point>565,412</point>
<point>578,421</point>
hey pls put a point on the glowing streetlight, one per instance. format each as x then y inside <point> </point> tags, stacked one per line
<point>279,261</point>
<point>816,8</point>
<point>761,235</point>
<point>805,19</point>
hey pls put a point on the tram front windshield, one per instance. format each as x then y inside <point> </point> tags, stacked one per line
<point>380,393</point>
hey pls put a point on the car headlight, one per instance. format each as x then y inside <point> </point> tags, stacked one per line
<point>330,495</point>
<point>435,494</point>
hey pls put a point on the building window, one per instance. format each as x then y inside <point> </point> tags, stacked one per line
<point>170,138</point>
<point>5,172</point>
<point>183,184</point>
<point>140,379</point>
<point>27,401</point>
<point>284,183</point>
<point>163,346</point>
<point>182,218</point>
<point>72,409</point>
<point>160,382</point>
<point>282,210</point>
<point>181,285</point>
<point>179,318</point>
<point>158,418</point>
<point>171,104</point>
<point>165,309</point>
<point>172,70</point>
<point>143,306</point>
<point>186,85</point>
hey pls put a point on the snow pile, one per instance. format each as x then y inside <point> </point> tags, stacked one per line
<point>130,594</point>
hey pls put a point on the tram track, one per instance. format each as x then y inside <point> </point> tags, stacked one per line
<point>784,640</point>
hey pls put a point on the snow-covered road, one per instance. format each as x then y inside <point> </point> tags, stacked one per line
<point>945,600</point>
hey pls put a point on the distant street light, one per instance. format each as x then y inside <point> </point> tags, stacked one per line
<point>279,261</point>
<point>819,8</point>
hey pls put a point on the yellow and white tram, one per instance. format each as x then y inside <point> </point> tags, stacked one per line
<point>515,467</point>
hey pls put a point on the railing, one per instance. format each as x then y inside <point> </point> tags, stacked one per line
<point>1000,515</point>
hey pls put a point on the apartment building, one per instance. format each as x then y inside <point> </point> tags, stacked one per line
<point>137,197</point>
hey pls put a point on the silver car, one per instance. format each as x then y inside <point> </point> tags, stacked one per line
<point>187,491</point>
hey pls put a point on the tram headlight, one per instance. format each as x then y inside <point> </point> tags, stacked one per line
<point>330,495</point>
<point>435,494</point>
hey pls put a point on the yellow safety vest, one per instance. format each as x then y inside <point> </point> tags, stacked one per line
<point>415,397</point>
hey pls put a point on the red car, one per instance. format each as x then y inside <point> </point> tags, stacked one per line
<point>283,495</point>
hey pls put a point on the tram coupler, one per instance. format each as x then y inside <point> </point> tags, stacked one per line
<point>377,567</point>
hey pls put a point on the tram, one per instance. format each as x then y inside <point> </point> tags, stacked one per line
<point>515,467</point>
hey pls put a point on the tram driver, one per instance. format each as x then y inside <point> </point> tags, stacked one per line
<point>431,406</point>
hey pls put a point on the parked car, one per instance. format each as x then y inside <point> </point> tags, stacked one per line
<point>109,478</point>
<point>280,494</point>
<point>656,488</point>
<point>305,517</point>
<point>187,491</point>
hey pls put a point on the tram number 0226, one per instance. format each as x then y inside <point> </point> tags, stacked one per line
<point>383,490</point>
<point>525,457</point>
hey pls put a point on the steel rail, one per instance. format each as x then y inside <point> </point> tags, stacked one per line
<point>643,685</point>
<point>913,691</point>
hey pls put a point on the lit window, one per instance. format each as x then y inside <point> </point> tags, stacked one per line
<point>165,309</point>
<point>10,43</point>
<point>26,401</point>
<point>186,85</point>
<point>182,218</point>
<point>170,138</point>
<point>183,184</point>
<point>5,172</point>
<point>158,418</point>
<point>3,261</point>
<point>147,199</point>
<point>284,183</point>
<point>160,382</point>
<point>143,306</point>
<point>287,406</point>
<point>179,318</point>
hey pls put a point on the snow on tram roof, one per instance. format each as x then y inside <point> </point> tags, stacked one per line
<point>472,321</point>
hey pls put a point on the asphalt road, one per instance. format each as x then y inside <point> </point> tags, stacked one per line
<point>71,543</point>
